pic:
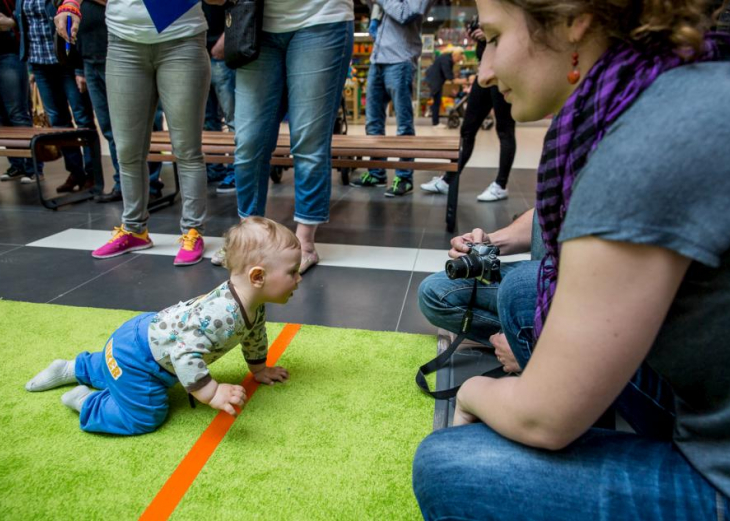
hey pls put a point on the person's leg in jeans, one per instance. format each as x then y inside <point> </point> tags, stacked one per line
<point>436,107</point>
<point>223,80</point>
<point>131,76</point>
<point>96,83</point>
<point>506,135</point>
<point>50,82</point>
<point>155,167</point>
<point>14,104</point>
<point>83,114</point>
<point>260,107</point>
<point>375,116</point>
<point>317,60</point>
<point>444,301</point>
<point>399,84</point>
<point>214,171</point>
<point>184,105</point>
<point>516,304</point>
<point>473,473</point>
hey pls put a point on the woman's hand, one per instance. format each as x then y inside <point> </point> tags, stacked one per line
<point>504,353</point>
<point>477,34</point>
<point>458,244</point>
<point>226,396</point>
<point>217,52</point>
<point>81,84</point>
<point>60,22</point>
<point>461,415</point>
<point>269,375</point>
<point>6,23</point>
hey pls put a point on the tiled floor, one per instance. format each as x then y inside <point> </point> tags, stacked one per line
<point>364,288</point>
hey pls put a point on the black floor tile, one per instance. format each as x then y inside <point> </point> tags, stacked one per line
<point>21,226</point>
<point>7,248</point>
<point>149,283</point>
<point>412,320</point>
<point>343,297</point>
<point>43,274</point>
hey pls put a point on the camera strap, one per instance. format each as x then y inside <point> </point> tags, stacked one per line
<point>441,360</point>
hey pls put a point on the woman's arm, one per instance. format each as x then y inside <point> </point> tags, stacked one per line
<point>610,303</point>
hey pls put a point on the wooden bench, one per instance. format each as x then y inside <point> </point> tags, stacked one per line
<point>441,154</point>
<point>40,144</point>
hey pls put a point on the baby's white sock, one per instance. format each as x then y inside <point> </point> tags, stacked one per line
<point>76,397</point>
<point>60,372</point>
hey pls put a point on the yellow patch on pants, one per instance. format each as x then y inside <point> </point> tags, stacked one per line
<point>114,369</point>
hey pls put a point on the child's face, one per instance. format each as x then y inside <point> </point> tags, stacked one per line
<point>282,275</point>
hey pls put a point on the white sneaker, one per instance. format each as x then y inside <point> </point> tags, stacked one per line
<point>494,192</point>
<point>441,125</point>
<point>436,186</point>
<point>218,257</point>
<point>29,179</point>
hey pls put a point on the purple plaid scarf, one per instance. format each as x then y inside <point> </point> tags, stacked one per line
<point>611,86</point>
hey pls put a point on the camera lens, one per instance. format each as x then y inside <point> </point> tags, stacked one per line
<point>466,267</point>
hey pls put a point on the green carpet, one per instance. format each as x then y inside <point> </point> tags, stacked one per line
<point>336,442</point>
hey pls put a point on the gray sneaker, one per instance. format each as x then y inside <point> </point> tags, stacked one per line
<point>218,257</point>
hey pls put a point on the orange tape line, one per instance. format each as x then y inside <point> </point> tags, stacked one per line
<point>180,480</point>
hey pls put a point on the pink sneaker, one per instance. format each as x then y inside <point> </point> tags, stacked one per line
<point>191,251</point>
<point>123,242</point>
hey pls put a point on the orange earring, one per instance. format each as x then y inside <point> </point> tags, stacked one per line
<point>574,75</point>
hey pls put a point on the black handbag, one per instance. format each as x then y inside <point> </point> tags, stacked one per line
<point>244,25</point>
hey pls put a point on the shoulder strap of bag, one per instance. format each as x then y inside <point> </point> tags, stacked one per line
<point>442,359</point>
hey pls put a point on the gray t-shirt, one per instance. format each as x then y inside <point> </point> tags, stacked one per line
<point>661,176</point>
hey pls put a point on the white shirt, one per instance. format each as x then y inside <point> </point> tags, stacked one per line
<point>282,16</point>
<point>129,20</point>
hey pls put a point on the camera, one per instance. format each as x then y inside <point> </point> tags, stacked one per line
<point>472,25</point>
<point>480,262</point>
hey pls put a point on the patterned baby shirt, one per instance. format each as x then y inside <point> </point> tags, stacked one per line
<point>188,336</point>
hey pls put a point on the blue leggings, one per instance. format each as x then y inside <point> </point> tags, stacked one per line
<point>133,386</point>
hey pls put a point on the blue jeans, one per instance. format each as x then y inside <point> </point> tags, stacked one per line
<point>221,99</point>
<point>392,81</point>
<point>471,472</point>
<point>443,302</point>
<point>646,403</point>
<point>303,71</point>
<point>14,104</point>
<point>57,87</point>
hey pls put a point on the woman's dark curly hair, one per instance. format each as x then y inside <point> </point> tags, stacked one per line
<point>676,24</point>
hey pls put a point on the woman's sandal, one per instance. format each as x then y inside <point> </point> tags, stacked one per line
<point>308,260</point>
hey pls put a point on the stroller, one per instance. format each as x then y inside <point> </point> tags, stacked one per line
<point>340,128</point>
<point>459,109</point>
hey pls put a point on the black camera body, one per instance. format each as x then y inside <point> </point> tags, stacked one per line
<point>479,263</point>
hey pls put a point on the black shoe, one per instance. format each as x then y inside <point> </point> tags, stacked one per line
<point>112,197</point>
<point>367,181</point>
<point>228,186</point>
<point>399,187</point>
<point>12,173</point>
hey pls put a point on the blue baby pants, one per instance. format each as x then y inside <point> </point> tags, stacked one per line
<point>133,386</point>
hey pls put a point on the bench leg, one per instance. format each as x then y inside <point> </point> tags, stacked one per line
<point>452,202</point>
<point>80,137</point>
<point>169,199</point>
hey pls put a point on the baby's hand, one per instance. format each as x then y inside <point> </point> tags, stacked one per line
<point>269,375</point>
<point>226,396</point>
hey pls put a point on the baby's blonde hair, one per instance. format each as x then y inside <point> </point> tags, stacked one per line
<point>254,239</point>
